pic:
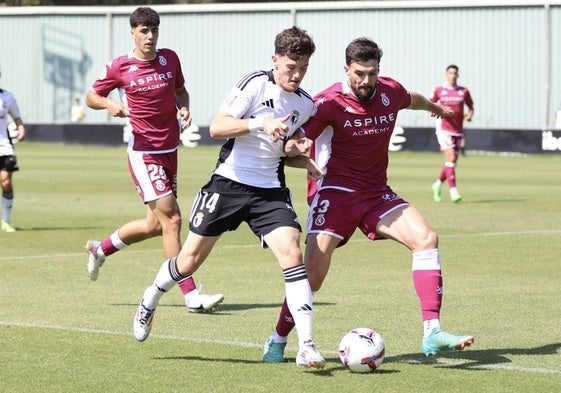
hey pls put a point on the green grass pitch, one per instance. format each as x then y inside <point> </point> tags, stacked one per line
<point>59,332</point>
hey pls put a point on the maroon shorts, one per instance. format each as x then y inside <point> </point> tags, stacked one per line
<point>340,213</point>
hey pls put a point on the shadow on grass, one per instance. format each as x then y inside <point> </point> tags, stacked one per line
<point>333,364</point>
<point>226,308</point>
<point>476,360</point>
<point>473,359</point>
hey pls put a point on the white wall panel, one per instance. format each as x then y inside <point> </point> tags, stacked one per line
<point>502,51</point>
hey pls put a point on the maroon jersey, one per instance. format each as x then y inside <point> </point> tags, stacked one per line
<point>455,98</point>
<point>351,137</point>
<point>147,87</point>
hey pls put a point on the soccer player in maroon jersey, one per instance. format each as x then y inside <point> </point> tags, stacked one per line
<point>153,96</point>
<point>351,131</point>
<point>450,131</point>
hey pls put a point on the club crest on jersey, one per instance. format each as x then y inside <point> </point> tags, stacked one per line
<point>385,99</point>
<point>295,116</point>
<point>162,60</point>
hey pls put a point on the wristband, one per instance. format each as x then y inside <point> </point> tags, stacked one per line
<point>255,124</point>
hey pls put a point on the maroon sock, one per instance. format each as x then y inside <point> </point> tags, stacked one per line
<point>187,285</point>
<point>428,285</point>
<point>285,323</point>
<point>107,247</point>
<point>451,176</point>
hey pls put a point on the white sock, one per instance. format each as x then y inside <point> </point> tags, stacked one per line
<point>7,204</point>
<point>116,241</point>
<point>429,325</point>
<point>167,278</point>
<point>279,339</point>
<point>299,301</point>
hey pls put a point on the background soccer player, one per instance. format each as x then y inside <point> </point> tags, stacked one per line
<point>8,160</point>
<point>450,130</point>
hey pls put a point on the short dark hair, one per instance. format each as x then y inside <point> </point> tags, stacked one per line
<point>362,49</point>
<point>294,43</point>
<point>144,16</point>
<point>454,66</point>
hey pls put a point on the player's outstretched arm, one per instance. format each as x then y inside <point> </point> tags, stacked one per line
<point>225,125</point>
<point>420,102</point>
<point>303,161</point>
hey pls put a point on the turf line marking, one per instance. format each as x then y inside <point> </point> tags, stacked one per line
<point>242,246</point>
<point>503,367</point>
<point>117,333</point>
<point>451,362</point>
<point>507,233</point>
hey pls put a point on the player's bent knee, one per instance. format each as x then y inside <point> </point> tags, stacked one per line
<point>427,240</point>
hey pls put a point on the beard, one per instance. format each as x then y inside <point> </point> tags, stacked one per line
<point>364,93</point>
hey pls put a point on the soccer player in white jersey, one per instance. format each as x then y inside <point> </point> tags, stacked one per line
<point>248,185</point>
<point>351,132</point>
<point>8,161</point>
<point>153,97</point>
<point>450,131</point>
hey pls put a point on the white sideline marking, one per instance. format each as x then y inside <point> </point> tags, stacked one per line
<point>504,367</point>
<point>255,245</point>
<point>451,362</point>
<point>506,233</point>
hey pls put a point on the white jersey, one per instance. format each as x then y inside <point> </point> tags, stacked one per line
<point>8,106</point>
<point>254,159</point>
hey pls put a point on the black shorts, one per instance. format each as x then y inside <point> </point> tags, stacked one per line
<point>8,163</point>
<point>223,204</point>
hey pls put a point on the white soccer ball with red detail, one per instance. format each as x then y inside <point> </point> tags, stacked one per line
<point>362,350</point>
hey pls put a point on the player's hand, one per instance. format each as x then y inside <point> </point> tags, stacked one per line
<point>117,109</point>
<point>443,112</point>
<point>184,117</point>
<point>276,127</point>
<point>21,134</point>
<point>296,146</point>
<point>314,171</point>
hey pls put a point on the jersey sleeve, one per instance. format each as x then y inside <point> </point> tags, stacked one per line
<point>13,109</point>
<point>468,100</point>
<point>108,80</point>
<point>236,103</point>
<point>180,78</point>
<point>403,95</point>
<point>240,98</point>
<point>320,119</point>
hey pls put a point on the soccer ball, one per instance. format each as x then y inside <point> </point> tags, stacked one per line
<point>362,350</point>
